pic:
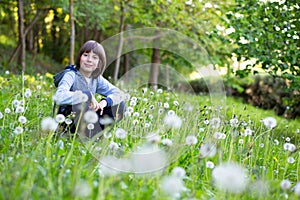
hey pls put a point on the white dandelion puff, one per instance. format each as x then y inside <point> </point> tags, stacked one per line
<point>191,140</point>
<point>173,121</point>
<point>90,126</point>
<point>285,184</point>
<point>234,122</point>
<point>49,123</point>
<point>270,122</point>
<point>166,105</point>
<point>153,138</point>
<point>60,118</point>
<point>210,165</point>
<point>171,112</point>
<point>106,120</point>
<point>7,110</point>
<point>68,121</point>
<point>22,119</point>
<point>207,150</point>
<point>90,117</point>
<point>82,189</point>
<point>178,172</point>
<point>291,160</point>
<point>297,189</point>
<point>173,186</point>
<point>18,130</point>
<point>121,133</point>
<point>289,147</point>
<point>19,109</point>
<point>16,103</point>
<point>248,132</point>
<point>230,177</point>
<point>27,93</point>
<point>1,115</point>
<point>215,122</point>
<point>167,142</point>
<point>113,146</point>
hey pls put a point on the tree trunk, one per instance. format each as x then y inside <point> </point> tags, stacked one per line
<point>72,37</point>
<point>120,46</point>
<point>154,69</point>
<point>32,23</point>
<point>22,42</point>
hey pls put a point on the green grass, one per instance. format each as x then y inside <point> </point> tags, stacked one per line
<point>35,164</point>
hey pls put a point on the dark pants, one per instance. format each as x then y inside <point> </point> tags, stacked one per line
<point>112,113</point>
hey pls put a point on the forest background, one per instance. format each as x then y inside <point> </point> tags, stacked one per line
<point>253,44</point>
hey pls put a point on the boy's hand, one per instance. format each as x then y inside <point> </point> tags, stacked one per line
<point>101,105</point>
<point>94,104</point>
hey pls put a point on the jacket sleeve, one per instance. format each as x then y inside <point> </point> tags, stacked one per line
<point>113,94</point>
<point>64,96</point>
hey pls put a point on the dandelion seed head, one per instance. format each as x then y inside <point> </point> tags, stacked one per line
<point>171,112</point>
<point>215,122</point>
<point>285,184</point>
<point>22,119</point>
<point>297,189</point>
<point>209,164</point>
<point>19,109</point>
<point>191,140</point>
<point>16,103</point>
<point>136,114</point>
<point>82,189</point>
<point>49,124</point>
<point>90,117</point>
<point>106,120</point>
<point>173,121</point>
<point>230,177</point>
<point>159,91</point>
<point>178,172</point>
<point>107,135</point>
<point>135,122</point>
<point>166,105</point>
<point>176,103</point>
<point>90,126</point>
<point>113,146</point>
<point>259,188</point>
<point>18,130</point>
<point>60,118</point>
<point>1,115</point>
<point>27,93</point>
<point>167,142</point>
<point>153,138</point>
<point>68,121</point>
<point>7,110</point>
<point>248,132</point>
<point>289,147</point>
<point>172,186</point>
<point>270,122</point>
<point>234,122</point>
<point>241,141</point>
<point>148,158</point>
<point>207,150</point>
<point>291,160</point>
<point>121,133</point>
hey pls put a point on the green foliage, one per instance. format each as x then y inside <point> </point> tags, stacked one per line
<point>266,31</point>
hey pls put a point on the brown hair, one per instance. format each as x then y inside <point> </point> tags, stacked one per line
<point>98,49</point>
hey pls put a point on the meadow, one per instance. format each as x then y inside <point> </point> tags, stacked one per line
<point>168,146</point>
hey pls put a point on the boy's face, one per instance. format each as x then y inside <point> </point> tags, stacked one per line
<point>88,62</point>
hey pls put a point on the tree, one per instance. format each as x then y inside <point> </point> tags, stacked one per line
<point>72,35</point>
<point>21,34</point>
<point>267,31</point>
